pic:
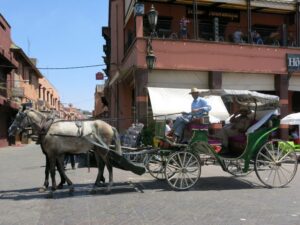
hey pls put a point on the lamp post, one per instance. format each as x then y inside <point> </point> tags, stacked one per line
<point>152,19</point>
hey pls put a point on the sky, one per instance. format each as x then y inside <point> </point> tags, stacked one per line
<point>62,33</point>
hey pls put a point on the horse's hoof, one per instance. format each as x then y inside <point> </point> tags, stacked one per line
<point>93,191</point>
<point>71,189</point>
<point>42,189</point>
<point>60,186</point>
<point>99,184</point>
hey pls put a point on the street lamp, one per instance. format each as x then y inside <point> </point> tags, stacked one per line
<point>150,59</point>
<point>152,19</point>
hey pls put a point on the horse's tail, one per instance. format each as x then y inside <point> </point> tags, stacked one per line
<point>118,147</point>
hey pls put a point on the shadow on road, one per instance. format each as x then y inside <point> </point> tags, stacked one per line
<point>83,190</point>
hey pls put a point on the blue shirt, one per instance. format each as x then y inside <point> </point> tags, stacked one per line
<point>200,103</point>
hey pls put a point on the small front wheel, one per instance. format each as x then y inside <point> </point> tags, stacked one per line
<point>182,170</point>
<point>276,163</point>
<point>156,166</point>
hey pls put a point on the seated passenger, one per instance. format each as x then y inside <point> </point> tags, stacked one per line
<point>199,108</point>
<point>239,123</point>
<point>169,125</point>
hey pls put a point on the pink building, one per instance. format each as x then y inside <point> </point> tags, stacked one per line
<point>207,56</point>
<point>20,82</point>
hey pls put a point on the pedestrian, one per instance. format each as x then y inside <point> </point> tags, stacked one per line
<point>183,27</point>
<point>70,157</point>
<point>238,36</point>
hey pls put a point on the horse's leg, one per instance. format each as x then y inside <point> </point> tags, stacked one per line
<point>60,168</point>
<point>52,162</point>
<point>46,182</point>
<point>100,165</point>
<point>60,171</point>
<point>110,172</point>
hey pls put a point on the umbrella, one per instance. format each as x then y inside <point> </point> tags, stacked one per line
<point>292,119</point>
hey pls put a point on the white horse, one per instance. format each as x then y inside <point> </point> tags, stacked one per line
<point>64,136</point>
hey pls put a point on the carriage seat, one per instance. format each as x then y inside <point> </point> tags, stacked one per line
<point>216,144</point>
<point>201,123</point>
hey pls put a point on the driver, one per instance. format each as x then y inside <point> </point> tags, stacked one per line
<point>199,108</point>
<point>239,123</point>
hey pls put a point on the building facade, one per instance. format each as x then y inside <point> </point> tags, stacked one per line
<point>49,98</point>
<point>195,44</point>
<point>20,82</point>
<point>8,107</point>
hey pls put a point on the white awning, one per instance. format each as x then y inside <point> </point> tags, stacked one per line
<point>170,102</point>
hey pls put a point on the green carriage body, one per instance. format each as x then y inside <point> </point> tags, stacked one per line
<point>255,140</point>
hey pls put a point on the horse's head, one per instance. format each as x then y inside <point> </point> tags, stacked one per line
<point>19,123</point>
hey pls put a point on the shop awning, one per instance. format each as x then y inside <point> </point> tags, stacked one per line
<point>170,102</point>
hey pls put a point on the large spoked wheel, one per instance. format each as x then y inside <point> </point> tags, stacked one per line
<point>276,163</point>
<point>156,166</point>
<point>183,170</point>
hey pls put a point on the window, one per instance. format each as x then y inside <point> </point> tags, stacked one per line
<point>2,26</point>
<point>163,27</point>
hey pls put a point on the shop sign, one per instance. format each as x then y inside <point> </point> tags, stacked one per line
<point>18,92</point>
<point>293,62</point>
<point>224,15</point>
<point>99,76</point>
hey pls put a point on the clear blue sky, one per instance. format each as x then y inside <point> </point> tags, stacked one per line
<point>62,33</point>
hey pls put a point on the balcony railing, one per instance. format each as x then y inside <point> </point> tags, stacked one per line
<point>260,35</point>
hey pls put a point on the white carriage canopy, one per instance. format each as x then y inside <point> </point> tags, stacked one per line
<point>245,97</point>
<point>170,102</point>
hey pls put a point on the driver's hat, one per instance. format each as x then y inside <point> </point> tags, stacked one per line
<point>194,90</point>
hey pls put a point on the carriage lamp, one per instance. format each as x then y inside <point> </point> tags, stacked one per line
<point>152,19</point>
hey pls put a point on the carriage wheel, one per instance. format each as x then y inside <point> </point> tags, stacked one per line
<point>276,163</point>
<point>156,166</point>
<point>183,170</point>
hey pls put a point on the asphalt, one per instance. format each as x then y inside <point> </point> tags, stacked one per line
<point>218,198</point>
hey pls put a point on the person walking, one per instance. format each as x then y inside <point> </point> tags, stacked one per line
<point>71,158</point>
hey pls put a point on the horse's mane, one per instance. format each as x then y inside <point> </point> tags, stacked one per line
<point>39,114</point>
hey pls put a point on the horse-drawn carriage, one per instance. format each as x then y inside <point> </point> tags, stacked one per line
<point>273,160</point>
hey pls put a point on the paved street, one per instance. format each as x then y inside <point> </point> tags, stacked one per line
<point>218,199</point>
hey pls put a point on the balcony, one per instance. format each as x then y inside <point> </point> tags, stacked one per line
<point>209,42</point>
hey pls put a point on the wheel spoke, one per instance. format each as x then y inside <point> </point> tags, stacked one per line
<point>178,160</point>
<point>193,163</point>
<point>283,168</point>
<point>175,161</point>
<point>269,151</point>
<point>265,163</point>
<point>280,170</point>
<point>266,157</point>
<point>276,174</point>
<point>174,167</point>
<point>280,160</point>
<point>182,170</point>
